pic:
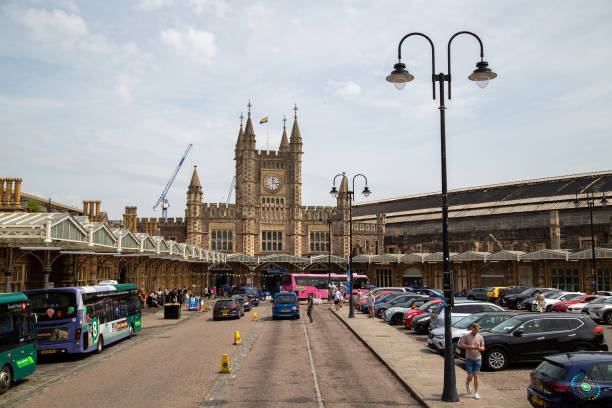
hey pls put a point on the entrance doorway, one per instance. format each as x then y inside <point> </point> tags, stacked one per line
<point>412,277</point>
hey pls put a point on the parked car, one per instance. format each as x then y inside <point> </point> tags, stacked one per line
<point>251,291</point>
<point>225,308</point>
<point>363,303</point>
<point>584,307</point>
<point>551,299</point>
<point>604,292</point>
<point>395,314</point>
<point>572,380</point>
<point>429,307</point>
<point>564,305</point>
<point>381,308</point>
<point>478,294</point>
<point>493,293</point>
<point>511,300</point>
<point>601,311</point>
<point>510,290</point>
<point>244,299</point>
<point>285,304</point>
<point>486,320</point>
<point>420,323</point>
<point>464,308</point>
<point>529,337</point>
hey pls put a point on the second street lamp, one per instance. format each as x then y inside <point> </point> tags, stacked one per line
<point>590,198</point>
<point>481,75</point>
<point>350,195</point>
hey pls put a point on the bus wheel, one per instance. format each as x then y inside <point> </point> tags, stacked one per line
<point>100,345</point>
<point>6,378</point>
<point>131,331</point>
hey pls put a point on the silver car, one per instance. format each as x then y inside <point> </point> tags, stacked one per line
<point>463,309</point>
<point>601,311</point>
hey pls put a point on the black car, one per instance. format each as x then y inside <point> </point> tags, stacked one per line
<point>572,380</point>
<point>420,324</point>
<point>529,337</point>
<point>511,290</point>
<point>478,294</point>
<point>225,308</point>
<point>510,301</point>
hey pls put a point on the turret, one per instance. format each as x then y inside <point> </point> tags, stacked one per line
<point>249,134</point>
<point>284,144</point>
<point>194,191</point>
<point>295,141</point>
<point>343,197</point>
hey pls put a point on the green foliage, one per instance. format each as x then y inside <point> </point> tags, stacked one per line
<point>32,206</point>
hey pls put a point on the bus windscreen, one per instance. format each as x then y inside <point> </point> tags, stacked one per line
<point>53,305</point>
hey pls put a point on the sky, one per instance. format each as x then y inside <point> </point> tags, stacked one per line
<point>99,99</point>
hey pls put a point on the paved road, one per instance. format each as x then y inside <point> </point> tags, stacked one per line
<point>178,366</point>
<point>278,371</point>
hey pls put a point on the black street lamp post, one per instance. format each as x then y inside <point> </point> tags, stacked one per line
<point>329,251</point>
<point>350,195</point>
<point>590,199</point>
<point>481,75</point>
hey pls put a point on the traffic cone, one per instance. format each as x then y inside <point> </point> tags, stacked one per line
<point>225,367</point>
<point>237,337</point>
<point>206,308</point>
<point>254,315</point>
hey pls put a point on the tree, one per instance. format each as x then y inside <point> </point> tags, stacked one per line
<point>32,206</point>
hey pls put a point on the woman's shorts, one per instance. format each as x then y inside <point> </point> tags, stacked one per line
<point>473,366</point>
<point>336,301</point>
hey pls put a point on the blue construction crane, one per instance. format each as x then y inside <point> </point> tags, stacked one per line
<point>162,198</point>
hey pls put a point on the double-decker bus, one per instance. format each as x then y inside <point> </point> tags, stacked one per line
<point>17,339</point>
<point>304,283</point>
<point>84,318</point>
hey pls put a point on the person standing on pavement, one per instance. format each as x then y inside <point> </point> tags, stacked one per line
<point>473,343</point>
<point>310,306</point>
<point>337,297</point>
<point>541,302</point>
<point>371,300</point>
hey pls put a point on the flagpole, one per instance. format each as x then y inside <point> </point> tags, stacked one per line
<point>267,127</point>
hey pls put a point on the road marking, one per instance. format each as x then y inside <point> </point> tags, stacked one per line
<point>312,368</point>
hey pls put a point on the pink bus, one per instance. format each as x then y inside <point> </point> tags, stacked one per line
<point>305,283</point>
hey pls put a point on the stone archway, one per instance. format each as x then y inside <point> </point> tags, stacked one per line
<point>412,276</point>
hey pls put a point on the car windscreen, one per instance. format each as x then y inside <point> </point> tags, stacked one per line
<point>574,298</point>
<point>550,370</point>
<point>284,299</point>
<point>599,300</point>
<point>467,321</point>
<point>507,326</point>
<point>526,292</point>
<point>434,308</point>
<point>53,305</point>
<point>608,300</point>
<point>552,294</point>
<point>252,291</point>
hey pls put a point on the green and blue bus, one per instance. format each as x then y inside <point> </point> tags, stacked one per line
<point>85,318</point>
<point>17,339</point>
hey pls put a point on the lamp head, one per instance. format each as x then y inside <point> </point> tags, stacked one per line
<point>366,192</point>
<point>334,192</point>
<point>399,76</point>
<point>482,74</point>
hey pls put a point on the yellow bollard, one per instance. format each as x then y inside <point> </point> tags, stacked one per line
<point>225,367</point>
<point>254,315</point>
<point>206,308</point>
<point>237,338</point>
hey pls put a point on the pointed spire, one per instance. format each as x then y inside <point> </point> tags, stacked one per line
<point>240,133</point>
<point>284,145</point>
<point>195,180</point>
<point>249,133</point>
<point>296,137</point>
<point>343,185</point>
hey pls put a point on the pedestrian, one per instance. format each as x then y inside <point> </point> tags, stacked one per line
<point>310,306</point>
<point>337,297</point>
<point>214,292</point>
<point>541,302</point>
<point>206,292</point>
<point>473,343</point>
<point>371,300</point>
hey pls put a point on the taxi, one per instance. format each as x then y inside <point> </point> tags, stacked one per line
<point>493,292</point>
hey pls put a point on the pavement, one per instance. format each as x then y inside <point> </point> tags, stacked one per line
<point>420,370</point>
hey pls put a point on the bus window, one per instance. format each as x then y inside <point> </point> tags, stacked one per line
<point>6,323</point>
<point>53,306</point>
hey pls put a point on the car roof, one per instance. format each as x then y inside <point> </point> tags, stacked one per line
<point>284,293</point>
<point>527,316</point>
<point>580,356</point>
<point>501,312</point>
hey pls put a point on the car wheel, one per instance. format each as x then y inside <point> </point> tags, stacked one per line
<point>379,313</point>
<point>549,308</point>
<point>6,378</point>
<point>608,317</point>
<point>100,345</point>
<point>496,359</point>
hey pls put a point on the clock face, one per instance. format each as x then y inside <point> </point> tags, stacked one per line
<point>272,183</point>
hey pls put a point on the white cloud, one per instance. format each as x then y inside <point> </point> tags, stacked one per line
<point>124,89</point>
<point>48,25</point>
<point>195,44</point>
<point>151,5</point>
<point>346,89</point>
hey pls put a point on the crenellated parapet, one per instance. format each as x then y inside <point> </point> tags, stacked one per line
<point>365,227</point>
<point>316,213</point>
<point>219,210</point>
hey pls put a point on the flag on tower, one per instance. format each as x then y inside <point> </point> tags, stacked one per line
<point>264,120</point>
